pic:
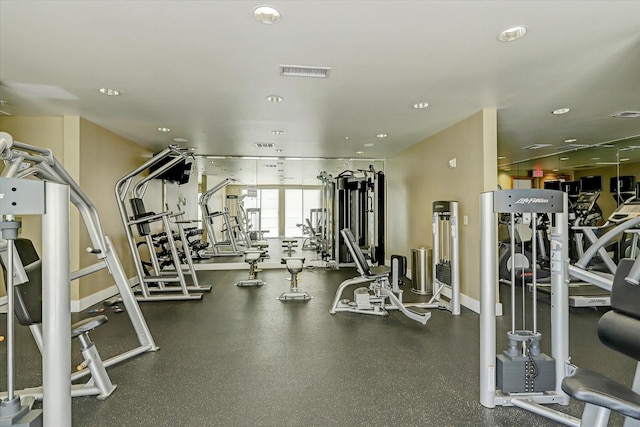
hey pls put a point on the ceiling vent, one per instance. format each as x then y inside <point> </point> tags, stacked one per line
<point>303,71</point>
<point>536,146</point>
<point>265,145</point>
<point>627,115</point>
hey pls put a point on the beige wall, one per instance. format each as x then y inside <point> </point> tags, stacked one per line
<point>420,175</point>
<point>104,158</point>
<point>95,158</point>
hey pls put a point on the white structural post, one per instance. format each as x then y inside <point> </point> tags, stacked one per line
<point>488,283</point>
<point>56,307</point>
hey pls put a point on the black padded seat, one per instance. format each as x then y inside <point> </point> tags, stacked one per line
<point>87,325</point>
<point>28,295</point>
<point>618,329</point>
<point>592,387</point>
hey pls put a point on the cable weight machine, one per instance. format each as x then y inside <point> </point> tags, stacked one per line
<point>521,375</point>
<point>359,206</point>
<point>446,266</point>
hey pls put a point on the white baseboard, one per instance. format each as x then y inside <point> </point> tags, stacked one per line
<point>82,304</point>
<point>466,301</point>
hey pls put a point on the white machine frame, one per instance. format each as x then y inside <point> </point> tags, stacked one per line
<point>525,201</point>
<point>445,237</point>
<point>44,166</point>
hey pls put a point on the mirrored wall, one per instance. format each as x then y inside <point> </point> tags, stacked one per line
<point>614,161</point>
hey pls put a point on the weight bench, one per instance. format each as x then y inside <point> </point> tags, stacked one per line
<point>288,245</point>
<point>28,311</point>
<point>371,300</point>
<point>618,329</point>
<point>295,266</point>
<point>252,257</point>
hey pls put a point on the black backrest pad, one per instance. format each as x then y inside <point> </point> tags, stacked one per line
<point>621,333</point>
<point>619,329</point>
<point>28,296</point>
<point>625,298</point>
<point>139,211</point>
<point>356,252</point>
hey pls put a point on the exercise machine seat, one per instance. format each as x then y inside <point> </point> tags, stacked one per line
<point>591,387</point>
<point>618,329</point>
<point>87,325</point>
<point>28,295</point>
<point>294,264</point>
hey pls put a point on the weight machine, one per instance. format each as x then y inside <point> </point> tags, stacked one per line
<point>371,300</point>
<point>359,206</point>
<point>522,376</point>
<point>23,161</point>
<point>325,227</point>
<point>218,246</point>
<point>51,201</point>
<point>141,220</point>
<point>446,265</point>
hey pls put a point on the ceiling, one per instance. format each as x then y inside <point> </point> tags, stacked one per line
<point>205,68</point>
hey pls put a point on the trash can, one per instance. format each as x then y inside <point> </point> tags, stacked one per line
<point>421,260</point>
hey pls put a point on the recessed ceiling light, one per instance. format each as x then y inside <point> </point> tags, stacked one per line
<point>420,105</point>
<point>555,170</point>
<point>266,14</point>
<point>180,139</point>
<point>501,157</point>
<point>564,158</point>
<point>275,98</point>
<point>346,137</point>
<point>277,132</point>
<point>278,150</point>
<point>561,111</point>
<point>369,145</point>
<point>108,92</point>
<point>513,33</point>
<point>595,158</point>
<point>506,169</point>
<point>359,152</point>
<point>570,140</point>
<point>624,160</point>
<point>164,129</point>
<point>381,135</point>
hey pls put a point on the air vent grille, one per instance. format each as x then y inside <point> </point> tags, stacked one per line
<point>627,115</point>
<point>304,71</point>
<point>265,145</point>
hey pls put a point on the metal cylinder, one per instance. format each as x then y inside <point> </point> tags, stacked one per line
<point>421,270</point>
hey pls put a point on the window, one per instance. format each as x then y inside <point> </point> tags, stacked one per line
<point>267,217</point>
<point>298,203</point>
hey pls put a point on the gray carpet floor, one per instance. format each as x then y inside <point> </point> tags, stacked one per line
<point>240,357</point>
